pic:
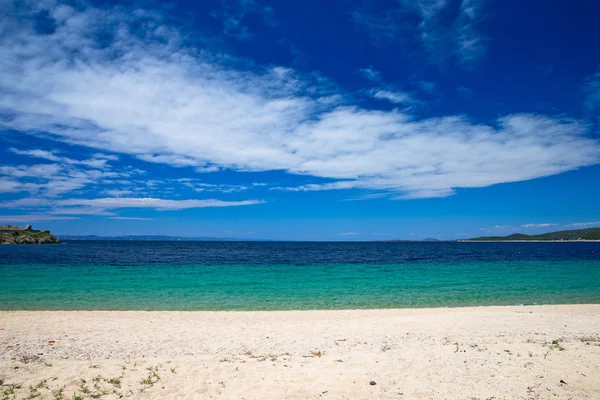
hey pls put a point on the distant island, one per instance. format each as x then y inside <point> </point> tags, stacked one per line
<point>10,234</point>
<point>410,241</point>
<point>590,234</point>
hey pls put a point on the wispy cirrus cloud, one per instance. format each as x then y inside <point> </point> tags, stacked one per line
<point>199,186</point>
<point>149,94</point>
<point>591,91</point>
<point>233,14</point>
<point>448,31</point>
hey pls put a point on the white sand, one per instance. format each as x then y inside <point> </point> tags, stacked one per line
<point>464,353</point>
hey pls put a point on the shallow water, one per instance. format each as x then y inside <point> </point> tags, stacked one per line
<point>103,275</point>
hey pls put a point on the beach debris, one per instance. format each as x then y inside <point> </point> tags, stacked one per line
<point>563,382</point>
<point>556,345</point>
<point>372,383</point>
<point>13,382</point>
<point>340,340</point>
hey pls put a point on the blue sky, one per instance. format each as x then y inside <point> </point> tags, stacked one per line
<point>337,120</point>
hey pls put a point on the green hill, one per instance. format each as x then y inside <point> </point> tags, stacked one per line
<point>578,234</point>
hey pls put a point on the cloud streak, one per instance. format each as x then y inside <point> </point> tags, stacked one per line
<point>99,206</point>
<point>544,225</point>
<point>32,218</point>
<point>111,203</point>
<point>574,225</point>
<point>148,94</point>
<point>96,162</point>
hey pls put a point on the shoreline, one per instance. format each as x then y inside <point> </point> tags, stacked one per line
<point>505,352</point>
<point>468,307</point>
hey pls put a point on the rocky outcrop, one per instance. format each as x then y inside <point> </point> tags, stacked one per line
<point>28,238</point>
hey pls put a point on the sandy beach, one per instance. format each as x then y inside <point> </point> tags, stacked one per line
<point>538,352</point>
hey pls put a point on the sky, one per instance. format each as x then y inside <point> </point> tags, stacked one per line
<point>265,119</point>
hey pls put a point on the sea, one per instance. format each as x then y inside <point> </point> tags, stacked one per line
<point>180,275</point>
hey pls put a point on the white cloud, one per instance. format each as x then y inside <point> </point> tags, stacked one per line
<point>47,155</point>
<point>118,192</point>
<point>52,179</point>
<point>8,185</point>
<point>199,186</point>
<point>110,157</point>
<point>132,218</point>
<point>544,225</point>
<point>369,196</point>
<point>371,74</point>
<point>470,42</point>
<point>178,161</point>
<point>80,211</point>
<point>111,203</point>
<point>501,227</point>
<point>148,95</point>
<point>30,171</point>
<point>575,225</point>
<point>32,218</point>
<point>392,96</point>
<point>105,206</point>
<point>584,224</point>
<point>348,233</point>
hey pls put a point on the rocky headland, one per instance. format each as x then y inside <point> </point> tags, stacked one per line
<point>16,235</point>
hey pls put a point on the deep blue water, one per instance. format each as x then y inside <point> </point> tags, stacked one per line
<point>288,275</point>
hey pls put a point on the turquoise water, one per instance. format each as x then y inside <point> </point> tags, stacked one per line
<point>144,276</point>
